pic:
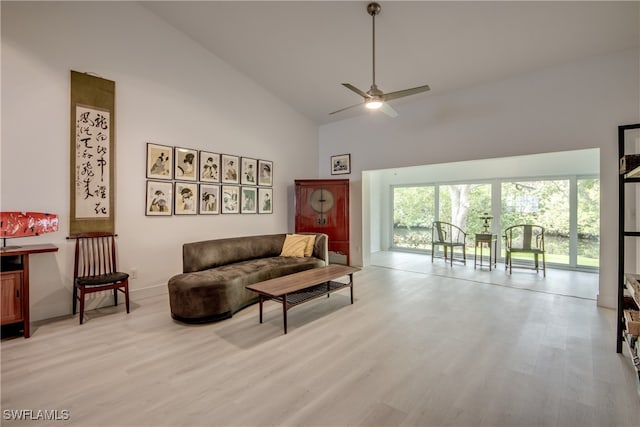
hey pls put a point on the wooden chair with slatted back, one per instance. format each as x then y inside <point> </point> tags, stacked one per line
<point>448,236</point>
<point>95,269</point>
<point>525,239</point>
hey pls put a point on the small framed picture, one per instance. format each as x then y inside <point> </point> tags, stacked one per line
<point>341,164</point>
<point>249,200</point>
<point>159,198</point>
<point>230,199</point>
<point>185,164</point>
<point>159,161</point>
<point>185,198</point>
<point>209,167</point>
<point>265,172</point>
<point>230,169</point>
<point>209,199</point>
<point>249,168</point>
<point>265,200</point>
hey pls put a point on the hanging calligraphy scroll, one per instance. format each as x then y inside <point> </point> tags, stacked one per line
<point>92,154</point>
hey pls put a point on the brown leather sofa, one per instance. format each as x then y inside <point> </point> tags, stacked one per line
<point>215,273</point>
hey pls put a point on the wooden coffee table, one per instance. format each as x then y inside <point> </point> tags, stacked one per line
<point>297,288</point>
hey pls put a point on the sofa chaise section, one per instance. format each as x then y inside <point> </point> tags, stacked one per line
<point>215,273</point>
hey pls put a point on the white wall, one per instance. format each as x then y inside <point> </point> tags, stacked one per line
<point>569,107</point>
<point>168,91</point>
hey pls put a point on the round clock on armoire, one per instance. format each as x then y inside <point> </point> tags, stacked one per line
<point>321,200</point>
<point>322,206</point>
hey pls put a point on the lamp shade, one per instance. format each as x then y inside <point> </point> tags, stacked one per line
<point>25,224</point>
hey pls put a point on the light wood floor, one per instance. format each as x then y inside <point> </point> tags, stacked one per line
<point>415,349</point>
<point>558,282</point>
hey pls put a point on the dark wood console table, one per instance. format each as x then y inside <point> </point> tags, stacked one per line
<point>14,283</point>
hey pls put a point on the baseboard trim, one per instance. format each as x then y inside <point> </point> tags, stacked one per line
<point>105,299</point>
<point>605,302</point>
<point>148,291</point>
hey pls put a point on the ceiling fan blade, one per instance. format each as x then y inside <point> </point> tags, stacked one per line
<point>406,92</point>
<point>356,90</point>
<point>346,108</point>
<point>388,110</point>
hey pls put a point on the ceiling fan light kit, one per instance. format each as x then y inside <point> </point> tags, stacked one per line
<point>373,103</point>
<point>374,98</point>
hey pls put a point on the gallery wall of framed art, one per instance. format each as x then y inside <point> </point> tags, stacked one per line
<point>186,181</point>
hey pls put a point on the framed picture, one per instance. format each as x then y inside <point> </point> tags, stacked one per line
<point>341,164</point>
<point>249,168</point>
<point>249,200</point>
<point>209,167</point>
<point>265,172</point>
<point>230,169</point>
<point>185,198</point>
<point>159,161</point>
<point>230,199</point>
<point>209,201</point>
<point>265,200</point>
<point>159,198</point>
<point>185,164</point>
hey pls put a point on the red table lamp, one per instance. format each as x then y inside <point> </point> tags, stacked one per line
<point>25,224</point>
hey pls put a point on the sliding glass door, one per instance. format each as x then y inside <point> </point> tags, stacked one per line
<point>588,228</point>
<point>544,203</point>
<point>463,205</point>
<point>413,214</point>
<point>567,207</point>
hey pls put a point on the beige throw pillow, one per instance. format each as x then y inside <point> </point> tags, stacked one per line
<point>294,245</point>
<point>294,242</point>
<point>311,240</point>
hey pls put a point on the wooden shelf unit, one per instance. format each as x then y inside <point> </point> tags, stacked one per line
<point>627,340</point>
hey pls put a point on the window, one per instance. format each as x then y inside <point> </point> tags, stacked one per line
<point>463,205</point>
<point>567,207</point>
<point>588,247</point>
<point>413,214</point>
<point>545,203</point>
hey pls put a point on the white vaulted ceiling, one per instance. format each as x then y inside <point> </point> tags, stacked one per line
<point>303,51</point>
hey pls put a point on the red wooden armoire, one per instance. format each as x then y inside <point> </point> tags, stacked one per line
<point>322,206</point>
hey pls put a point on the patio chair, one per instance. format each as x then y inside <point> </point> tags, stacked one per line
<point>525,239</point>
<point>448,236</point>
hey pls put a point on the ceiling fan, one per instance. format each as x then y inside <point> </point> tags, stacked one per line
<point>374,98</point>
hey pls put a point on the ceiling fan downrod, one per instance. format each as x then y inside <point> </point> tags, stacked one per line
<point>374,9</point>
